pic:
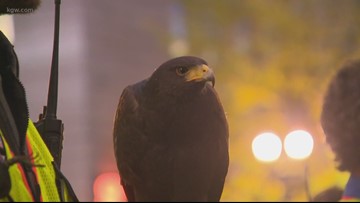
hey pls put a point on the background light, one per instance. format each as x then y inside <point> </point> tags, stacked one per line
<point>107,188</point>
<point>267,147</point>
<point>298,144</point>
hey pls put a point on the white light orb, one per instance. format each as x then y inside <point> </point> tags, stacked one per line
<point>267,147</point>
<point>298,144</point>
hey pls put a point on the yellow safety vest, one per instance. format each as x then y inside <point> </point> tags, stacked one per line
<point>45,176</point>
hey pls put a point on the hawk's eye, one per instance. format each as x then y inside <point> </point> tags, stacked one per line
<point>181,71</point>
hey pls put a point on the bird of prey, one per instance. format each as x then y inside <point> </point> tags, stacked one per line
<point>171,135</point>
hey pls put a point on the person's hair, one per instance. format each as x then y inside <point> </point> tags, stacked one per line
<point>340,116</point>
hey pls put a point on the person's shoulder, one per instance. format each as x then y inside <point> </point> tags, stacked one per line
<point>349,199</point>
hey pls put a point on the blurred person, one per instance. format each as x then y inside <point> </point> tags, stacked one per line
<point>27,168</point>
<point>340,120</point>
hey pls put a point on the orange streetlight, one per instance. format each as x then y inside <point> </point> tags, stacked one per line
<point>299,145</point>
<point>107,188</point>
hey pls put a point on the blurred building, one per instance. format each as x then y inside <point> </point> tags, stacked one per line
<point>104,46</point>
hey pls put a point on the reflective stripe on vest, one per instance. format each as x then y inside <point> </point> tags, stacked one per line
<point>45,176</point>
<point>20,190</point>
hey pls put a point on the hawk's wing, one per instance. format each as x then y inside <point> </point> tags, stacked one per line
<point>127,137</point>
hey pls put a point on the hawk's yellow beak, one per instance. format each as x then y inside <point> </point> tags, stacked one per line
<point>200,73</point>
